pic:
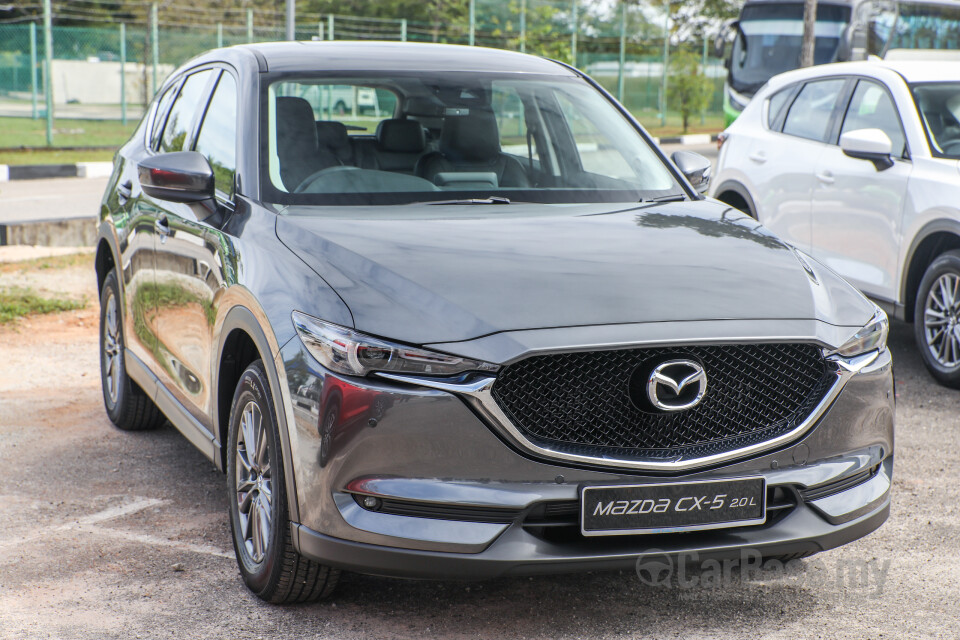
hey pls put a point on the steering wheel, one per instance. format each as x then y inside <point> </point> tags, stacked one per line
<point>316,175</point>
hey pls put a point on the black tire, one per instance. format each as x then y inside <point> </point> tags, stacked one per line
<point>939,345</point>
<point>270,565</point>
<point>128,407</point>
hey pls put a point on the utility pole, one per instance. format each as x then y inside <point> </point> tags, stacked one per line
<point>523,26</point>
<point>48,57</point>
<point>573,32</point>
<point>809,33</point>
<point>291,19</point>
<point>666,60</point>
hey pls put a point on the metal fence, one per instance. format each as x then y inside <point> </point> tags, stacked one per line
<point>113,72</point>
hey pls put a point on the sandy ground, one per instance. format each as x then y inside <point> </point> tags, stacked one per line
<point>107,534</point>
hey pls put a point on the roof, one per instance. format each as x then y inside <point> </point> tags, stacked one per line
<point>397,56</point>
<point>912,70</point>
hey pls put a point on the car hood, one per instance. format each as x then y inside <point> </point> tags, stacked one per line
<point>447,273</point>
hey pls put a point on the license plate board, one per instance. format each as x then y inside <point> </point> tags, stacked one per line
<point>672,506</point>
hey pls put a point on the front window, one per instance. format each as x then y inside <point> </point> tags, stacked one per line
<point>769,38</point>
<point>939,107</point>
<point>441,136</point>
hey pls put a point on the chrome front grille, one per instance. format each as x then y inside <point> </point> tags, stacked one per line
<point>580,403</point>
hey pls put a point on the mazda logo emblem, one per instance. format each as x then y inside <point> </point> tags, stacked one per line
<point>676,385</point>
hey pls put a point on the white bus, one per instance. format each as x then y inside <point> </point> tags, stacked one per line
<point>766,38</point>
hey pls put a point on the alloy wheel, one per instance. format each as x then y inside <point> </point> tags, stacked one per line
<point>941,320</point>
<point>254,491</point>
<point>111,349</point>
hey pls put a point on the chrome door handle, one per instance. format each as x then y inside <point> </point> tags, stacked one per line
<point>124,191</point>
<point>825,177</point>
<point>162,227</point>
<point>759,157</point>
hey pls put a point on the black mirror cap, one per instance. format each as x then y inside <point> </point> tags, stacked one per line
<point>180,176</point>
<point>881,161</point>
<point>694,167</point>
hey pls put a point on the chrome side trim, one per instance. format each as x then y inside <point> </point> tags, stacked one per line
<point>478,393</point>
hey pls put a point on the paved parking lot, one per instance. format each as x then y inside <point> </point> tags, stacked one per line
<point>107,534</point>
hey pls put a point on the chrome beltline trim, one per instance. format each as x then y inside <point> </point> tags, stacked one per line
<point>478,393</point>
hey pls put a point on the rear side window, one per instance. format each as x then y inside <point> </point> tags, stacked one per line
<point>872,108</point>
<point>217,139</point>
<point>809,115</point>
<point>184,111</point>
<point>160,115</point>
<point>776,104</point>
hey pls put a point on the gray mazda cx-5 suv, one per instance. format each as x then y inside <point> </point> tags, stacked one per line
<point>482,327</point>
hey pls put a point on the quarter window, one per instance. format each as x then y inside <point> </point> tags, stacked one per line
<point>217,139</point>
<point>160,114</point>
<point>183,112</point>
<point>872,108</point>
<point>809,115</point>
<point>776,104</point>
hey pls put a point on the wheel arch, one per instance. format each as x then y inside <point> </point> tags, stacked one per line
<point>934,239</point>
<point>243,340</point>
<point>736,195</point>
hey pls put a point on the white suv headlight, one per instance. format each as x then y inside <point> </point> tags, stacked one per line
<point>872,337</point>
<point>346,351</point>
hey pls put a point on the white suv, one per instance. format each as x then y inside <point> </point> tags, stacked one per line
<point>857,164</point>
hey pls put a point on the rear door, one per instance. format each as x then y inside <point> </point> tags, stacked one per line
<point>858,209</point>
<point>782,163</point>
<point>194,254</point>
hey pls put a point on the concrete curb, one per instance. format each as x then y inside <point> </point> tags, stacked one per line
<point>40,171</point>
<point>66,232</point>
<point>694,138</point>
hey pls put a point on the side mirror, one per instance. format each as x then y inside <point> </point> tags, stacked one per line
<point>694,167</point>
<point>181,176</point>
<point>868,144</point>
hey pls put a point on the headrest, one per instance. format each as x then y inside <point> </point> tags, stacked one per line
<point>295,124</point>
<point>332,135</point>
<point>401,136</point>
<point>471,137</point>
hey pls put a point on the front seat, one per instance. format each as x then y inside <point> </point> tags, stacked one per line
<point>471,143</point>
<point>296,141</point>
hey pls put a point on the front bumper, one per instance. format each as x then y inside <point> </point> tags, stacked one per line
<point>425,446</point>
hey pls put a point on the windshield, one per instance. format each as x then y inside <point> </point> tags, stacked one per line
<point>939,107</point>
<point>769,38</point>
<point>914,25</point>
<point>440,136</point>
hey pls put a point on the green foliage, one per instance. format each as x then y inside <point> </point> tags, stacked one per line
<point>16,302</point>
<point>688,89</point>
<point>548,32</point>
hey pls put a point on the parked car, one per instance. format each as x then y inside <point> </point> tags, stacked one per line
<point>856,164</point>
<point>417,354</point>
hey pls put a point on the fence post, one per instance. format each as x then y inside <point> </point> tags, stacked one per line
<point>219,35</point>
<point>473,22</point>
<point>47,77</point>
<point>703,65</point>
<point>123,73</point>
<point>320,28</point>
<point>330,34</point>
<point>573,32</point>
<point>523,26</point>
<point>403,29</point>
<point>291,20</point>
<point>33,69</point>
<point>666,60</point>
<point>623,48</point>
<point>154,45</point>
<point>249,25</point>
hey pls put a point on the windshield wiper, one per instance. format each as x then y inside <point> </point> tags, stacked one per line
<point>676,197</point>
<point>487,200</point>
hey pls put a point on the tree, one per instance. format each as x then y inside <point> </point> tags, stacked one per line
<point>809,33</point>
<point>689,89</point>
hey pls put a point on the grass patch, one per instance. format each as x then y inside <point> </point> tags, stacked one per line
<point>53,156</point>
<point>16,302</point>
<point>27,132</point>
<point>50,262</point>
<point>713,123</point>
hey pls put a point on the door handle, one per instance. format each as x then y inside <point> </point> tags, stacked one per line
<point>162,227</point>
<point>124,190</point>
<point>826,177</point>
<point>760,157</point>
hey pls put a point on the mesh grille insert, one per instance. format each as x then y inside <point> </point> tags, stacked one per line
<point>580,402</point>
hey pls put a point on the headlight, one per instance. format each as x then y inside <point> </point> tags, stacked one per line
<point>345,351</point>
<point>872,337</point>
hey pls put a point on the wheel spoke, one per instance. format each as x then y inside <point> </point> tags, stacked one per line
<point>263,526</point>
<point>254,537</point>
